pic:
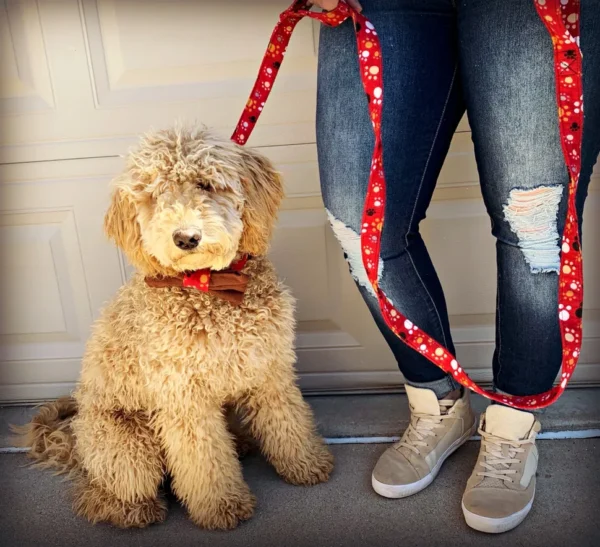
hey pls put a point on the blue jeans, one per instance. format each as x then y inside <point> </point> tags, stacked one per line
<point>493,59</point>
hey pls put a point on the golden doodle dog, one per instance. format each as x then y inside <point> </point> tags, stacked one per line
<point>165,362</point>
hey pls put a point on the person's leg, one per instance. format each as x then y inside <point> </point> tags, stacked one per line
<point>507,69</point>
<point>422,107</point>
<point>507,72</point>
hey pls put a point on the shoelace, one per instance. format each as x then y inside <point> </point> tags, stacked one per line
<point>422,426</point>
<point>499,455</point>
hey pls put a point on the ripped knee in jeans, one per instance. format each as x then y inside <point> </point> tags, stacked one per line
<point>350,242</point>
<point>532,216</point>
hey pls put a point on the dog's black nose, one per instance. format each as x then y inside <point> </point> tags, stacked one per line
<point>186,240</point>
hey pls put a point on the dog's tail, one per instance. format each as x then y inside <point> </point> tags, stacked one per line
<point>49,437</point>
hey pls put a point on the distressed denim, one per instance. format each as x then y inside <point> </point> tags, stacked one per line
<point>440,58</point>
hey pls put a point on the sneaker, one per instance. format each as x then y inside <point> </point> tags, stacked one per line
<point>436,430</point>
<point>500,492</point>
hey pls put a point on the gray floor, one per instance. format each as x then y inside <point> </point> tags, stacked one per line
<point>387,415</point>
<point>34,508</point>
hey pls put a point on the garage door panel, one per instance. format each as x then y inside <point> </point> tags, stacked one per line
<point>80,80</point>
<point>108,70</point>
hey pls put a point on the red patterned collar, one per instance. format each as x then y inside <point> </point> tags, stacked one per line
<point>201,279</point>
<point>229,284</point>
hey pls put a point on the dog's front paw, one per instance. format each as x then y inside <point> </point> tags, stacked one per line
<point>226,512</point>
<point>309,468</point>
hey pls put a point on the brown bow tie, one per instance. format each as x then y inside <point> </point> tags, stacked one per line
<point>229,285</point>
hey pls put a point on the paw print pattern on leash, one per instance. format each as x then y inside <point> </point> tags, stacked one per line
<point>561,18</point>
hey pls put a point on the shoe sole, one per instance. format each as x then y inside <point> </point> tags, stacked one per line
<point>496,526</point>
<point>396,491</point>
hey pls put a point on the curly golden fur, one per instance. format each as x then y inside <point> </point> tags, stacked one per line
<point>162,365</point>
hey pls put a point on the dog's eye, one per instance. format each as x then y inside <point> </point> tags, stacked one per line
<point>201,185</point>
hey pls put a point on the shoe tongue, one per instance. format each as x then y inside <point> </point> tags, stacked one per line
<point>508,423</point>
<point>423,401</point>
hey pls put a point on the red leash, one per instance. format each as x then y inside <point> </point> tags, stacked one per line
<point>561,18</point>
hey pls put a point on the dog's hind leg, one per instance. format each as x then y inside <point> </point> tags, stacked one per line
<point>202,460</point>
<point>122,468</point>
<point>283,423</point>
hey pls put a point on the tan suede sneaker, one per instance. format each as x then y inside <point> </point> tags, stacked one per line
<point>500,492</point>
<point>437,428</point>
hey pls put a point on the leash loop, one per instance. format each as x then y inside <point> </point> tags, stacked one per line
<point>561,18</point>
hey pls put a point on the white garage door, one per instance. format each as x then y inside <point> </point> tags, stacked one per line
<point>80,79</point>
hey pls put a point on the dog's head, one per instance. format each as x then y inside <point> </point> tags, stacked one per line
<point>189,200</point>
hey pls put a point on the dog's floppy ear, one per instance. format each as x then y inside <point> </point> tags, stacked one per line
<point>120,221</point>
<point>263,192</point>
<point>121,225</point>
